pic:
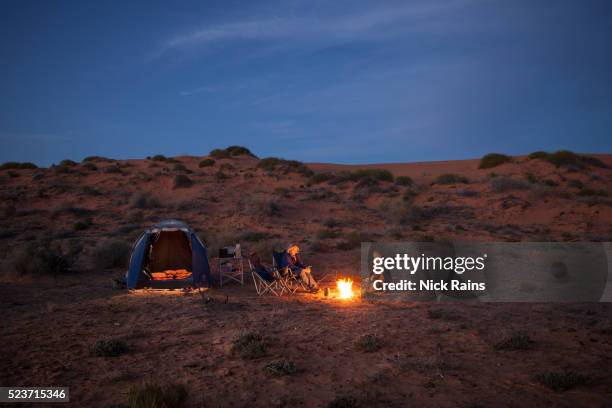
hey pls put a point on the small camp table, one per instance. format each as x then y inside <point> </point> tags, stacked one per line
<point>231,267</point>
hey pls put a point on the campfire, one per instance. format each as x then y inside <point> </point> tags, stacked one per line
<point>345,288</point>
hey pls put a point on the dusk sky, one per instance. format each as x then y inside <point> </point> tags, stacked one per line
<point>330,81</point>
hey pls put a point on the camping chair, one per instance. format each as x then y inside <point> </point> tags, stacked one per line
<point>262,285</point>
<point>290,281</point>
<point>230,265</point>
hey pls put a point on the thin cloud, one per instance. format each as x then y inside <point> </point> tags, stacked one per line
<point>367,25</point>
<point>194,91</point>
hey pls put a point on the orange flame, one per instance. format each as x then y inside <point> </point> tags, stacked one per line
<point>345,288</point>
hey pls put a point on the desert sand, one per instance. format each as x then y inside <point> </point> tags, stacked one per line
<point>430,354</point>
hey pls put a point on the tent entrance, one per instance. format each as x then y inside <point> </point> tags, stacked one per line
<point>170,256</point>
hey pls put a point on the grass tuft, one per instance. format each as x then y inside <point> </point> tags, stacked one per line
<point>368,343</point>
<point>515,341</point>
<point>450,178</point>
<point>153,395</point>
<point>250,346</point>
<point>561,380</point>
<point>280,368</point>
<point>109,348</point>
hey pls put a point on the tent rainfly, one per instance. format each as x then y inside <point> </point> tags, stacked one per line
<point>168,255</point>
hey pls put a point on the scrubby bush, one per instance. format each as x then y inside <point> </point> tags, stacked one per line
<point>561,380</point>
<point>153,395</point>
<point>109,348</point>
<point>274,164</point>
<point>249,346</point>
<point>111,253</point>
<point>362,175</point>
<point>231,151</point>
<point>96,158</point>
<point>568,159</point>
<point>493,160</point>
<point>376,174</point>
<point>320,178</point>
<point>182,181</point>
<point>344,402</point>
<point>144,201</point>
<point>279,368</point>
<point>239,151</point>
<point>403,181</point>
<point>263,207</point>
<point>219,154</point>
<point>89,166</point>
<point>68,163</point>
<point>159,157</point>
<point>206,163</point>
<point>162,158</point>
<point>401,213</point>
<point>368,343</point>
<point>112,169</point>
<point>18,166</point>
<point>504,183</point>
<point>538,155</point>
<point>43,258</point>
<point>449,178</point>
<point>515,341</point>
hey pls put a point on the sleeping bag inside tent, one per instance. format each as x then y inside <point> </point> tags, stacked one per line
<point>168,255</point>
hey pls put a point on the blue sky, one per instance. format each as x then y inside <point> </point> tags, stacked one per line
<point>330,81</point>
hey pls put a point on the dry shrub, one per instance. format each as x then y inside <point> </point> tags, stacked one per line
<point>515,341</point>
<point>450,178</point>
<point>181,181</point>
<point>109,348</point>
<point>493,160</point>
<point>144,201</point>
<point>111,253</point>
<point>17,166</point>
<point>274,164</point>
<point>260,207</point>
<point>206,163</point>
<point>561,380</point>
<point>279,368</point>
<point>43,258</point>
<point>250,346</point>
<point>368,343</point>
<point>154,395</point>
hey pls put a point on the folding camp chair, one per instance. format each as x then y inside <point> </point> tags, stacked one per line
<point>290,281</point>
<point>230,265</point>
<point>263,286</point>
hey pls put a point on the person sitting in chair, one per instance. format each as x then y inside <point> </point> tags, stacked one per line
<point>292,261</point>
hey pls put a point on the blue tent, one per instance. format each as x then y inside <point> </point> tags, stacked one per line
<point>168,246</point>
